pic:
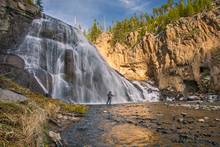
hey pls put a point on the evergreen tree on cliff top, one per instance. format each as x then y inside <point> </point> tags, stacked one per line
<point>40,5</point>
<point>189,9</point>
<point>94,32</point>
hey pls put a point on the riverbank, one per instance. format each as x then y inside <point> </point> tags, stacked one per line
<point>33,119</point>
<point>26,117</point>
<point>151,124</point>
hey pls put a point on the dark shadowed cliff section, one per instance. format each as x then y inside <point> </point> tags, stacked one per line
<point>15,18</point>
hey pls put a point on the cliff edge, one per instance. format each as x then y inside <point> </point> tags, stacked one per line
<point>184,57</point>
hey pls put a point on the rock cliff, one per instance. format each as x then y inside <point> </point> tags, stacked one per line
<point>15,18</point>
<point>185,57</point>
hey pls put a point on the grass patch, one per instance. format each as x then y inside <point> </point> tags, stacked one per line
<point>48,104</point>
<point>73,108</point>
<point>20,123</point>
<point>24,123</point>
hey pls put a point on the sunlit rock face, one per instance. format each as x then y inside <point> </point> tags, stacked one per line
<point>184,53</point>
<point>63,64</point>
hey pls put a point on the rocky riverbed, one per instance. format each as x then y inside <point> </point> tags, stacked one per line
<point>147,124</point>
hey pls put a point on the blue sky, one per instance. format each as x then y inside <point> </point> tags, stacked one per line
<point>86,11</point>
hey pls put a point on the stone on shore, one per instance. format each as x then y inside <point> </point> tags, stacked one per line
<point>6,95</point>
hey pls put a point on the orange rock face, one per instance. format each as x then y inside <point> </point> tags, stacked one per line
<point>183,53</point>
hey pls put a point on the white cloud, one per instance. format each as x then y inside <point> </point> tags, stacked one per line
<point>127,2</point>
<point>135,5</point>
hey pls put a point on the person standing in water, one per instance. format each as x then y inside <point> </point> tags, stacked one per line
<point>110,95</point>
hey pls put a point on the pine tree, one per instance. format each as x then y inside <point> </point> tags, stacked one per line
<point>170,3</point>
<point>196,6</point>
<point>40,5</point>
<point>208,4</point>
<point>173,14</point>
<point>189,11</point>
<point>165,8</point>
<point>94,32</point>
<point>155,12</point>
<point>181,8</point>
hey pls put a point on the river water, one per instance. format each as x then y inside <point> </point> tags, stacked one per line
<point>146,124</point>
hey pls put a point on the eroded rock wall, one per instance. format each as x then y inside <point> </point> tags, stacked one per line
<point>180,58</point>
<point>131,62</point>
<point>15,18</point>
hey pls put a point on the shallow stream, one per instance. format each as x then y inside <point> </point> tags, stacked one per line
<point>146,124</point>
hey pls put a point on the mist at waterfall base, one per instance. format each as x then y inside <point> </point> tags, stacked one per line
<point>75,70</point>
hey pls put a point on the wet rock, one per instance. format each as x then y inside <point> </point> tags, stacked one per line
<point>59,116</point>
<point>180,120</point>
<point>182,138</point>
<point>57,123</point>
<point>74,119</point>
<point>217,119</point>
<point>162,130</point>
<point>206,135</point>
<point>190,120</point>
<point>201,120</point>
<point>69,60</point>
<point>196,107</point>
<point>55,137</point>
<point>12,60</point>
<point>183,114</point>
<point>159,123</point>
<point>141,122</point>
<point>212,98</point>
<point>130,122</point>
<point>206,118</point>
<point>193,98</point>
<point>65,117</point>
<point>82,128</point>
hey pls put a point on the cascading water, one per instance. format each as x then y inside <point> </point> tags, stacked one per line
<point>68,67</point>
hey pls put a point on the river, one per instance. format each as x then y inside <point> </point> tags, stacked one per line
<point>147,124</point>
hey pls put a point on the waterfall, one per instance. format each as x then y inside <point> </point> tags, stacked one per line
<point>68,67</point>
